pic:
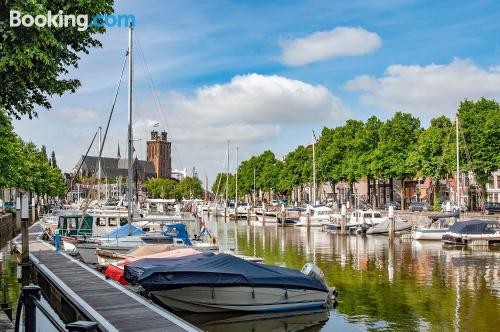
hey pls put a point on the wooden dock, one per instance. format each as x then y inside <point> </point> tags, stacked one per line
<point>113,306</point>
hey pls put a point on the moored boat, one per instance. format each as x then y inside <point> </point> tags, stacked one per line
<point>470,232</point>
<point>224,283</point>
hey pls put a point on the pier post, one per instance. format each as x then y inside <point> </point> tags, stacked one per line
<point>264,213</point>
<point>225,214</point>
<point>308,217</point>
<point>392,226</point>
<point>18,213</point>
<point>29,295</point>
<point>248,215</point>
<point>343,222</point>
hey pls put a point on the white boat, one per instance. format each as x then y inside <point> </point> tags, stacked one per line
<point>434,231</point>
<point>473,232</point>
<point>224,299</point>
<point>225,283</point>
<point>320,215</point>
<point>368,218</point>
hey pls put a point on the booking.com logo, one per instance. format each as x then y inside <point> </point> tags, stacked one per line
<point>60,20</point>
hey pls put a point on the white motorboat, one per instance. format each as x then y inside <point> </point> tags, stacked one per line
<point>320,215</point>
<point>434,231</point>
<point>225,283</point>
<point>470,232</point>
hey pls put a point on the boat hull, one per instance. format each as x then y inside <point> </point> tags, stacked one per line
<point>428,234</point>
<point>230,299</point>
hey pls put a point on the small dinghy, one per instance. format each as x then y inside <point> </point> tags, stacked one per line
<point>383,227</point>
<point>224,283</point>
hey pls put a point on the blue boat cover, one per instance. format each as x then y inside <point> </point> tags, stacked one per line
<point>179,231</point>
<point>123,231</point>
<point>472,226</point>
<point>135,269</point>
<point>220,270</point>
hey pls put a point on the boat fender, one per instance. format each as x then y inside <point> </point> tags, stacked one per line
<point>286,294</point>
<point>253,293</point>
<point>213,293</point>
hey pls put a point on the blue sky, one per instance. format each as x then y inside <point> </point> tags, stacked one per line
<point>263,74</point>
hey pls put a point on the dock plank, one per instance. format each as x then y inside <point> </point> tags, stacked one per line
<point>115,308</point>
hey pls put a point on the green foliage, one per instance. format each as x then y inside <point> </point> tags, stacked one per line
<point>397,148</point>
<point>480,125</point>
<point>24,166</point>
<point>160,188</point>
<point>189,187</point>
<point>53,160</point>
<point>34,62</point>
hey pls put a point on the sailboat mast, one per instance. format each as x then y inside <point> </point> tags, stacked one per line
<point>236,190</point>
<point>130,137</point>
<point>314,172</point>
<point>458,169</point>
<point>227,173</point>
<point>99,168</point>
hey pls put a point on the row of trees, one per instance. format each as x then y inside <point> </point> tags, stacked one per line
<point>398,148</point>
<point>188,187</point>
<point>25,166</point>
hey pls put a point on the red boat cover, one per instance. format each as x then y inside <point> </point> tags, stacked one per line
<point>115,270</point>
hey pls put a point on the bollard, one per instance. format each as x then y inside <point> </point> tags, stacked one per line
<point>392,226</point>
<point>82,325</point>
<point>29,295</point>
<point>308,217</point>
<point>343,222</point>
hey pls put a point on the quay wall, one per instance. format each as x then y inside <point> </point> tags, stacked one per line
<point>7,228</point>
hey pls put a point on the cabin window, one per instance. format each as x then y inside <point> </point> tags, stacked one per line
<point>123,221</point>
<point>367,215</point>
<point>377,215</point>
<point>100,221</point>
<point>112,222</point>
<point>490,228</point>
<point>71,222</point>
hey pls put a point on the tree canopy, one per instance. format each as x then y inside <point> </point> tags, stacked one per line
<point>35,62</point>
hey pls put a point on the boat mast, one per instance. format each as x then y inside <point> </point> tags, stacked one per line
<point>458,169</point>
<point>236,191</point>
<point>227,173</point>
<point>314,173</point>
<point>99,168</point>
<point>254,190</point>
<point>130,152</point>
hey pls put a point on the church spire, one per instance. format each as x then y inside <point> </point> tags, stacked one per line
<point>119,154</point>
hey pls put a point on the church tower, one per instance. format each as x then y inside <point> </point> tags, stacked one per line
<point>159,153</point>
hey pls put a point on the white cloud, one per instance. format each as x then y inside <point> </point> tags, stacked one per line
<point>428,90</point>
<point>249,108</point>
<point>253,111</point>
<point>323,45</point>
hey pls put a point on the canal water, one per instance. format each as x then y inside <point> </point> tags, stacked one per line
<point>400,286</point>
<point>404,285</point>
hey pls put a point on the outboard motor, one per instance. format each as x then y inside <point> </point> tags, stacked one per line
<point>314,271</point>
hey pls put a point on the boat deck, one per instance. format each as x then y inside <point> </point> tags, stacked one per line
<point>112,306</point>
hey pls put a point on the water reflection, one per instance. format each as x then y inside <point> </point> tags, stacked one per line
<point>401,285</point>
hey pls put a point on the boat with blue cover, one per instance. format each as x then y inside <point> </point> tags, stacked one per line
<point>467,232</point>
<point>225,283</point>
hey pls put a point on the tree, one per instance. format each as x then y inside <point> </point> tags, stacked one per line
<point>398,137</point>
<point>53,161</point>
<point>43,152</point>
<point>480,126</point>
<point>9,159</point>
<point>189,187</point>
<point>432,153</point>
<point>34,61</point>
